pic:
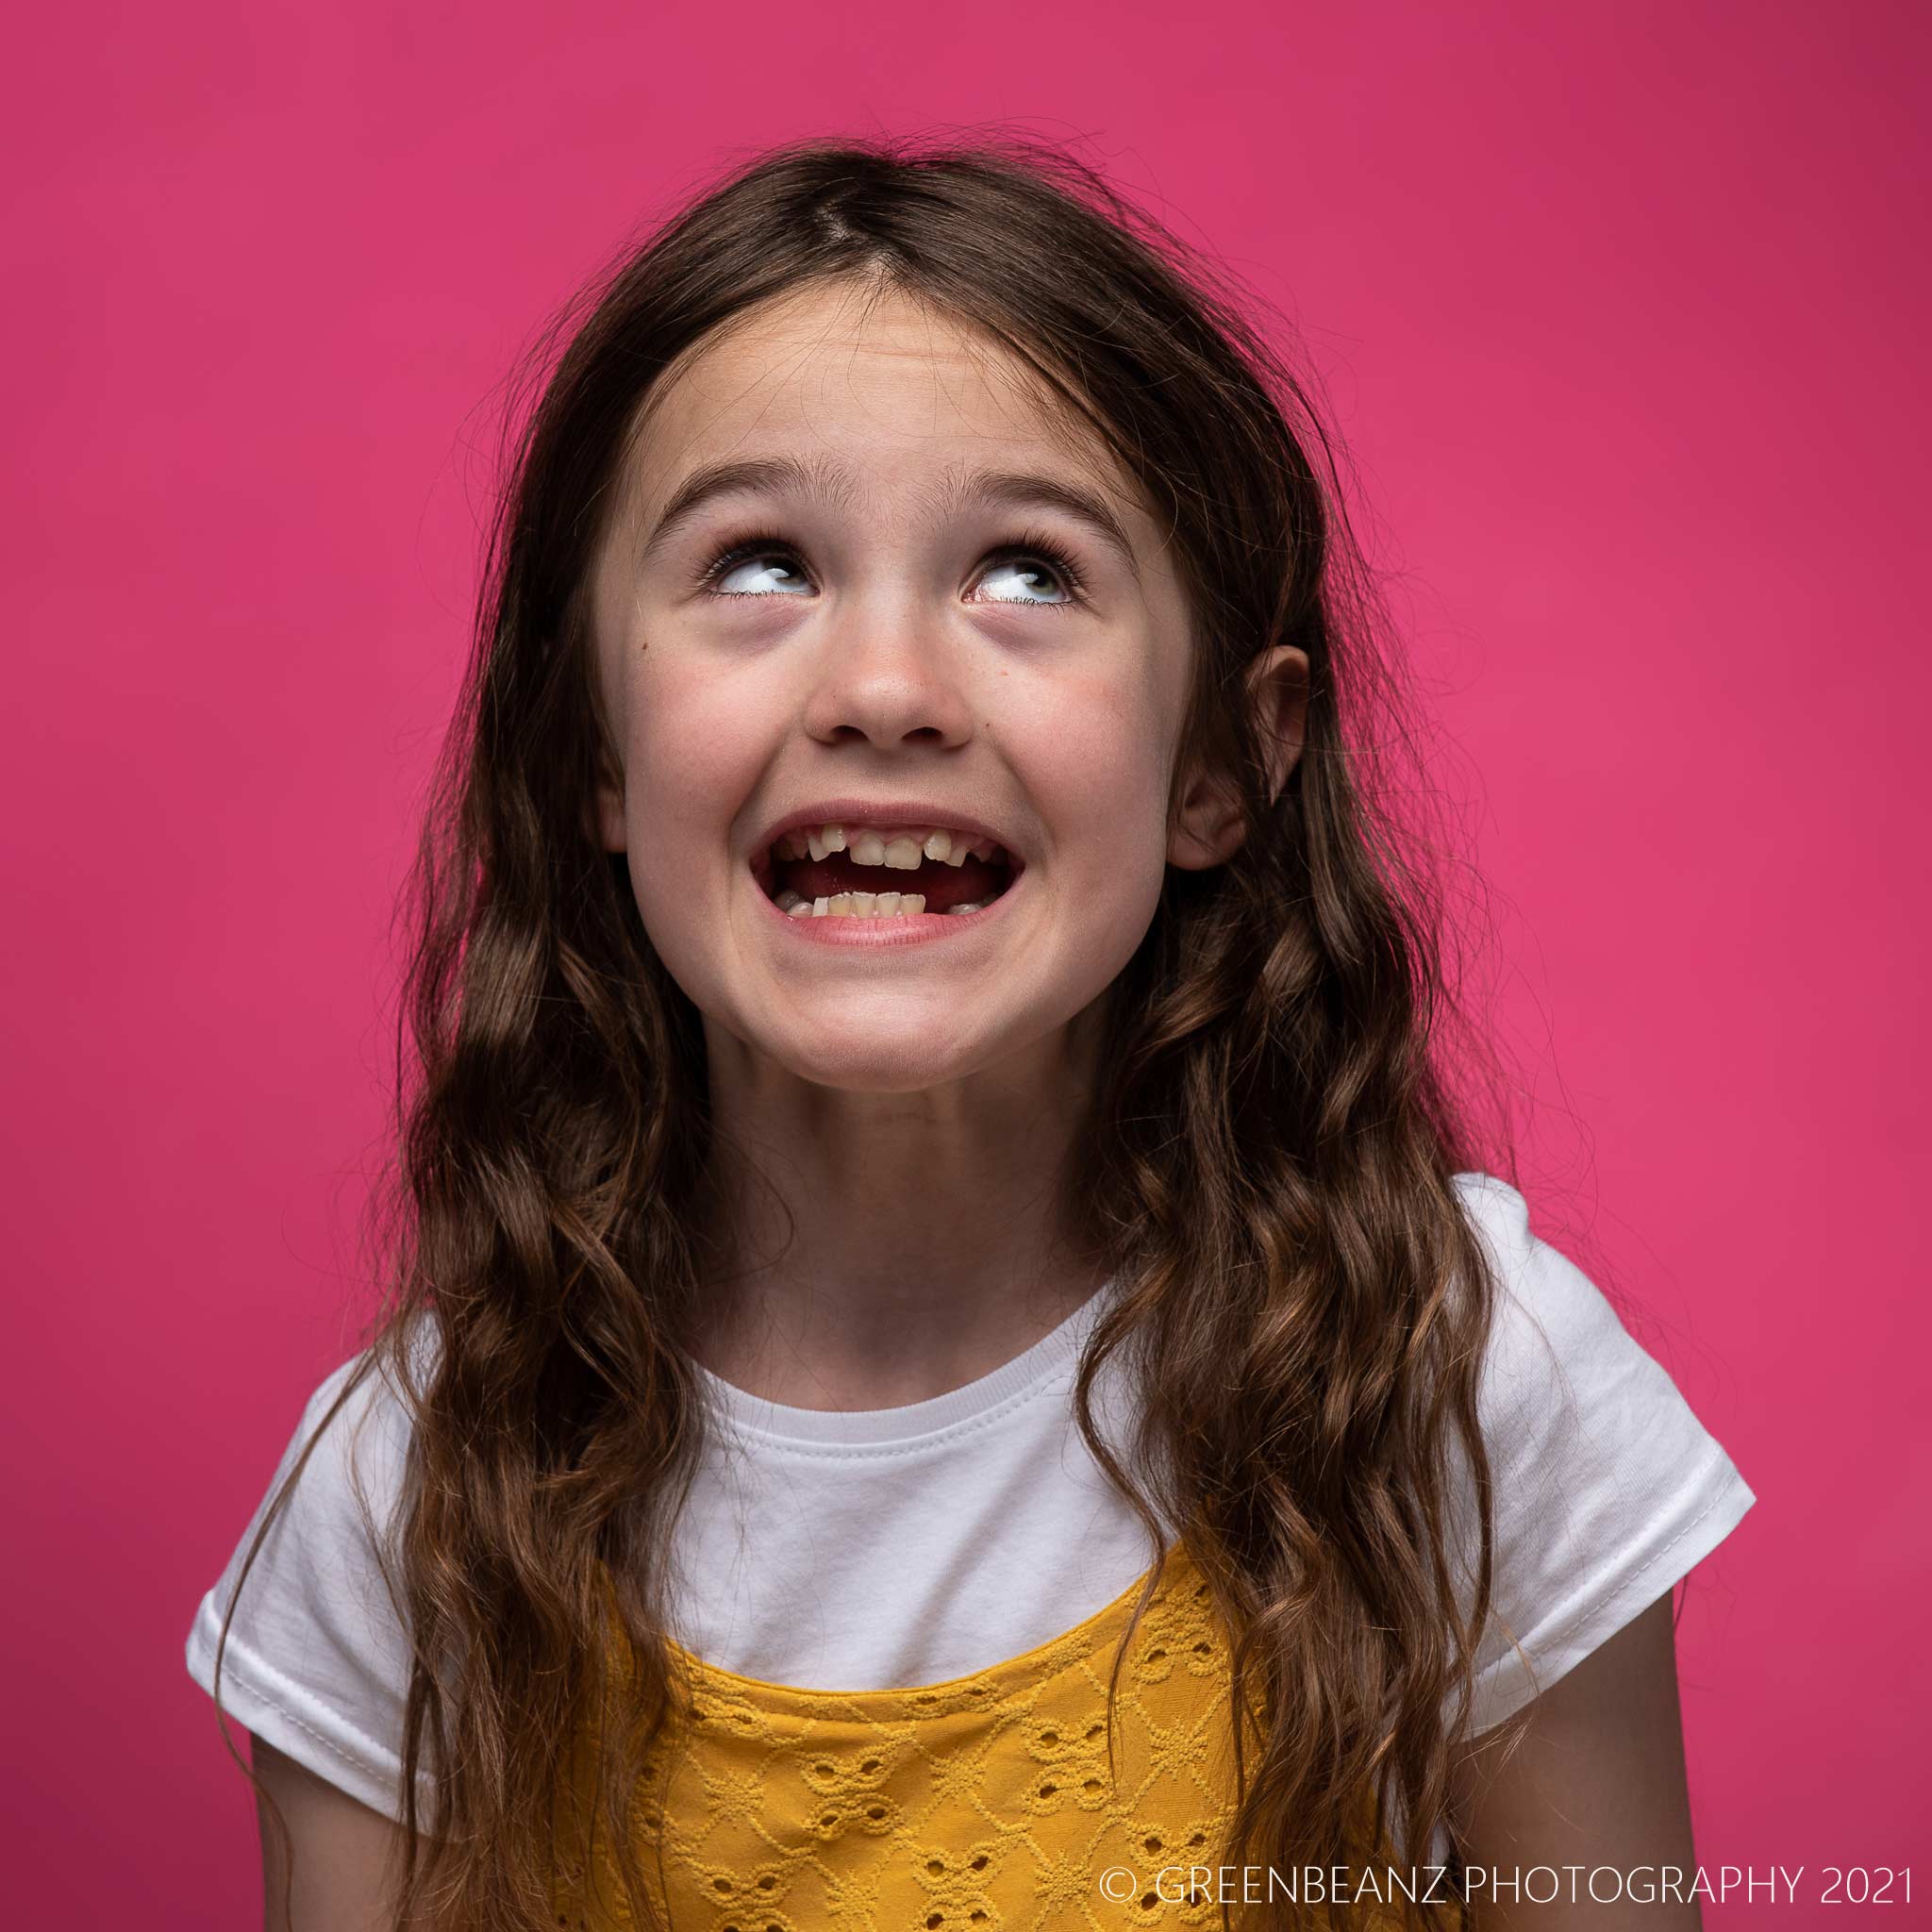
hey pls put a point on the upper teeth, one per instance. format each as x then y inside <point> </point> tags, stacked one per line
<point>899,848</point>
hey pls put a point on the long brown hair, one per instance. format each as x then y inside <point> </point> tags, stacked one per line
<point>1290,1078</point>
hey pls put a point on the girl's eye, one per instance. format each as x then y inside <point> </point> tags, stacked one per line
<point>764,566</point>
<point>1021,565</point>
<point>759,565</point>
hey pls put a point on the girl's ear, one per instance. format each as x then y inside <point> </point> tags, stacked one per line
<point>606,814</point>
<point>1211,819</point>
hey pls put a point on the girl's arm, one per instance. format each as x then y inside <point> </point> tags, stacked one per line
<point>346,1856</point>
<point>1597,1780</point>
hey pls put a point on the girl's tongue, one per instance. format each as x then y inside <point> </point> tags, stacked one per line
<point>944,885</point>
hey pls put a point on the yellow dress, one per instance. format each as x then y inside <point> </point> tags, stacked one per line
<point>979,1805</point>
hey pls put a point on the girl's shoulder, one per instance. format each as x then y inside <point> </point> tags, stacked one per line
<point>355,1429</point>
<point>1550,1323</point>
<point>1556,1345</point>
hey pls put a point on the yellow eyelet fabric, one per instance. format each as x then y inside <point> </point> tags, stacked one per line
<point>981,1805</point>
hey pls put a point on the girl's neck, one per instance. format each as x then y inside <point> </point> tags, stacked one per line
<point>884,1248</point>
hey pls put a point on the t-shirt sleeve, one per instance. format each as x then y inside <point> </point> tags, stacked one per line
<point>317,1661</point>
<point>1606,1488</point>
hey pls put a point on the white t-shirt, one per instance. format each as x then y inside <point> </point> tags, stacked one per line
<point>905,1546</point>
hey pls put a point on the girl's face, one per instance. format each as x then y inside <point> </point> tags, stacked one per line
<point>868,585</point>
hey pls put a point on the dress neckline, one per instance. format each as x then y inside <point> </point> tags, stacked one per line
<point>995,1686</point>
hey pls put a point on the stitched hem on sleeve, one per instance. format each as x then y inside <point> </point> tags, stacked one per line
<point>1716,1503</point>
<point>295,1721</point>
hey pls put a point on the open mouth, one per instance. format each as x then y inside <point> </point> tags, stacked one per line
<point>883,872</point>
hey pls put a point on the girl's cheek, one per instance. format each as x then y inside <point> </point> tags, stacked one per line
<point>1098,753</point>
<point>701,732</point>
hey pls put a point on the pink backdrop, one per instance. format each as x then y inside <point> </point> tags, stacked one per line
<point>1622,309</point>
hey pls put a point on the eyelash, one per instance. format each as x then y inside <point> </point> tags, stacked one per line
<point>1033,546</point>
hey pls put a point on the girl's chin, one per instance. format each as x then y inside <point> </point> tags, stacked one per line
<point>875,1064</point>
<point>869,1038</point>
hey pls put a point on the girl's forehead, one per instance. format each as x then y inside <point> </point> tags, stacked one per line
<point>873,376</point>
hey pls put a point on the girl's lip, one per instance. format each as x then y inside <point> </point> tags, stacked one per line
<point>901,929</point>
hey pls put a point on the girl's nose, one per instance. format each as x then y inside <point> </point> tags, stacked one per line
<point>890,681</point>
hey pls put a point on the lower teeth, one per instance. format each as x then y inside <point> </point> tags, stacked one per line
<point>863,905</point>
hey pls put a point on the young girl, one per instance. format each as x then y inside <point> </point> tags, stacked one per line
<point>952,1361</point>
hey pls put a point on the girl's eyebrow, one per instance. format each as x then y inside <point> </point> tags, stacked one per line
<point>832,482</point>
